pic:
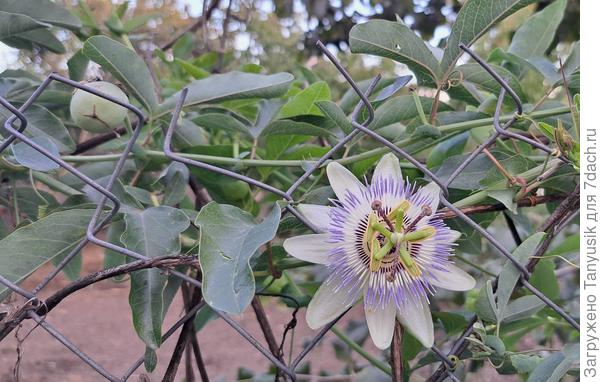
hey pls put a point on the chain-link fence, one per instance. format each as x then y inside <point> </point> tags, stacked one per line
<point>39,310</point>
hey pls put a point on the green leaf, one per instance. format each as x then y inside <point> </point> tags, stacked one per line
<point>175,178</point>
<point>229,237</point>
<point>287,127</point>
<point>525,364</point>
<point>152,233</point>
<point>125,65</point>
<point>184,46</point>
<point>188,134</point>
<point>220,121</point>
<point>485,305</point>
<point>477,75</point>
<point>138,21</point>
<point>77,65</point>
<point>508,277</point>
<point>401,108</point>
<point>41,122</point>
<point>554,367</point>
<point>12,24</point>
<point>304,103</point>
<point>128,202</point>
<point>140,194</point>
<point>447,148</point>
<point>191,69</point>
<point>229,86</point>
<point>278,144</point>
<point>350,98</point>
<point>522,307</point>
<point>29,247</point>
<point>453,323</point>
<point>534,37</point>
<point>506,197</point>
<point>150,359</point>
<point>111,258</point>
<point>267,111</point>
<point>203,317</point>
<point>31,205</point>
<point>547,130</point>
<point>42,10</point>
<point>475,18</point>
<point>544,278</point>
<point>572,64</point>
<point>390,90</point>
<point>514,164</point>
<point>36,38</point>
<point>334,113</point>
<point>31,158</point>
<point>568,245</point>
<point>398,42</point>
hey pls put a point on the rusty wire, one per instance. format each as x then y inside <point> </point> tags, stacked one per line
<point>36,308</point>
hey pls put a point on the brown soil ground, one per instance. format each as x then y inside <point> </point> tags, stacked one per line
<point>98,321</point>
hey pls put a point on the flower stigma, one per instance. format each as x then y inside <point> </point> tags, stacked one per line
<point>392,241</point>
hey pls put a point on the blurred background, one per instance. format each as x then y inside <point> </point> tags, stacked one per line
<point>279,35</point>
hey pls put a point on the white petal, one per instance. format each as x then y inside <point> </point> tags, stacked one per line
<point>432,190</point>
<point>327,304</point>
<point>381,324</point>
<point>313,248</point>
<point>454,235</point>
<point>454,279</point>
<point>416,318</point>
<point>317,215</point>
<point>341,179</point>
<point>388,167</point>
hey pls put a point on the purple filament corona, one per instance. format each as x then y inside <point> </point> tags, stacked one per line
<point>392,283</point>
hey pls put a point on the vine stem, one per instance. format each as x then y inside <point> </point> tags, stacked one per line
<point>445,129</point>
<point>435,106</point>
<point>567,208</point>
<point>359,349</point>
<point>265,326</point>
<point>396,356</point>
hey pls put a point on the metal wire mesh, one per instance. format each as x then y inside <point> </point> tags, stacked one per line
<point>36,309</point>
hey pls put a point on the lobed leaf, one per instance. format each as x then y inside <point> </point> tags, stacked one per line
<point>229,237</point>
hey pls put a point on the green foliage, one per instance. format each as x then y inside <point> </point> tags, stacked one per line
<point>153,232</point>
<point>125,65</point>
<point>228,238</point>
<point>29,247</point>
<point>396,41</point>
<point>272,125</point>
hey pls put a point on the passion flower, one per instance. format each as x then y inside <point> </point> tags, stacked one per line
<point>96,114</point>
<point>385,243</point>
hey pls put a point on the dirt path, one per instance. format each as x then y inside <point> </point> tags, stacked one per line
<point>98,321</point>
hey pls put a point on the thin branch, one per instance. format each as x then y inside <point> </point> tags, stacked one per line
<point>396,356</point>
<point>435,106</point>
<point>553,225</point>
<point>184,337</point>
<point>531,201</point>
<point>265,326</point>
<point>165,262</point>
<point>199,360</point>
<point>98,140</point>
<point>564,211</point>
<point>194,26</point>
